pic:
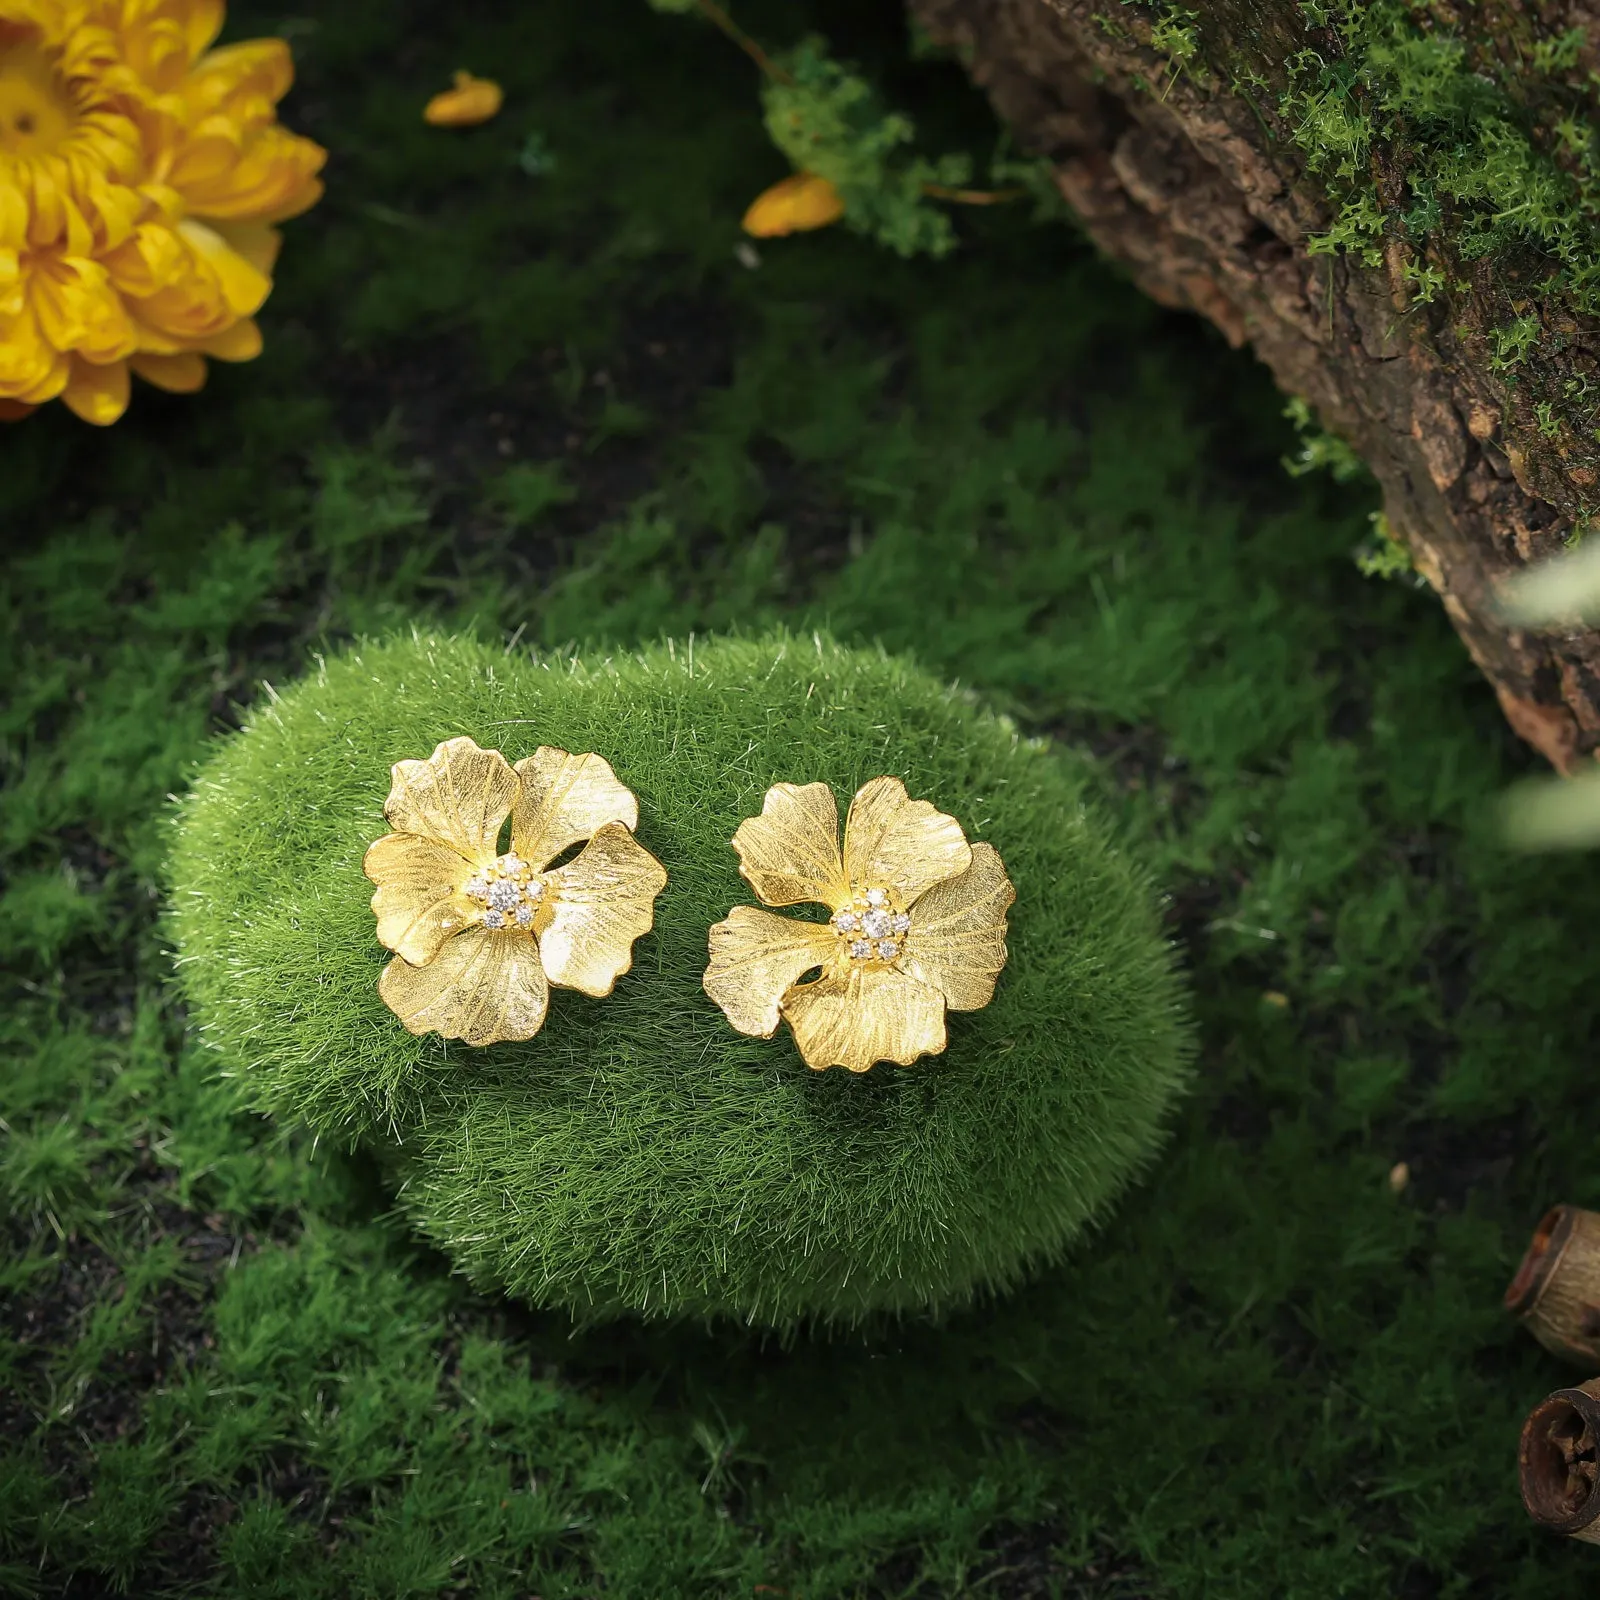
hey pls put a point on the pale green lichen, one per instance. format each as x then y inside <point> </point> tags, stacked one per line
<point>1493,152</point>
<point>1320,451</point>
<point>828,119</point>
<point>1175,37</point>
<point>1383,555</point>
<point>1512,341</point>
<point>1459,156</point>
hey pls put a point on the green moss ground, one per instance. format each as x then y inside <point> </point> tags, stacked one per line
<point>228,1367</point>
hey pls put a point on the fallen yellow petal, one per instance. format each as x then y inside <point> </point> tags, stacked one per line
<point>473,100</point>
<point>794,205</point>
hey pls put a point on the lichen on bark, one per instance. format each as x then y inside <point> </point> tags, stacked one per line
<point>1397,205</point>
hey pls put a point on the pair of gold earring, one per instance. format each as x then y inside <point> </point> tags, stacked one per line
<point>917,915</point>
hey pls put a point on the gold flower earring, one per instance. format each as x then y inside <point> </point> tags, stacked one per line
<point>918,925</point>
<point>479,936</point>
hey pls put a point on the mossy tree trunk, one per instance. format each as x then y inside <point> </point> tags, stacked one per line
<point>1396,204</point>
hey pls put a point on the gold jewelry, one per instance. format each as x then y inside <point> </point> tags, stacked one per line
<point>918,925</point>
<point>479,936</point>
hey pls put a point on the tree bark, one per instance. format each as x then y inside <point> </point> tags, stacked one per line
<point>1172,135</point>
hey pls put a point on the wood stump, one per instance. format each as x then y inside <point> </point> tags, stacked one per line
<point>1174,136</point>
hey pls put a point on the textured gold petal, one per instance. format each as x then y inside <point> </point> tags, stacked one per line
<point>755,958</point>
<point>564,799</point>
<point>459,796</point>
<point>851,1019</point>
<point>790,853</point>
<point>418,903</point>
<point>894,842</point>
<point>601,902</point>
<point>483,987</point>
<point>957,942</point>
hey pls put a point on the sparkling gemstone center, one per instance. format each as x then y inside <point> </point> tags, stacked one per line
<point>871,926</point>
<point>510,892</point>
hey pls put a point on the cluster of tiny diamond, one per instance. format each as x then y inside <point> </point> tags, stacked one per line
<point>509,891</point>
<point>873,929</point>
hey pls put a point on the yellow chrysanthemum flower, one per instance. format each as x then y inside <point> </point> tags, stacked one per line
<point>141,173</point>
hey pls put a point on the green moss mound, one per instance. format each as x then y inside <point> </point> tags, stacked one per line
<point>638,1155</point>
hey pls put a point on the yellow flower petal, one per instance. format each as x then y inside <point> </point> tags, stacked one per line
<point>262,67</point>
<point>15,410</point>
<point>790,853</point>
<point>756,958</point>
<point>471,101</point>
<point>202,23</point>
<point>796,204</point>
<point>13,217</point>
<point>152,341</point>
<point>97,394</point>
<point>957,942</point>
<point>114,208</point>
<point>239,342</point>
<point>31,369</point>
<point>852,1019</point>
<point>418,903</point>
<point>150,258</point>
<point>180,316</point>
<point>157,50</point>
<point>184,373</point>
<point>602,901</point>
<point>38,109</point>
<point>79,309</point>
<point>51,383</point>
<point>208,153</point>
<point>162,39</point>
<point>56,222</point>
<point>244,288</point>
<point>460,796</point>
<point>564,799</point>
<point>894,842</point>
<point>257,242</point>
<point>483,987</point>
<point>274,179</point>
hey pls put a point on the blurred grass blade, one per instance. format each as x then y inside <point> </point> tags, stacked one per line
<point>1563,590</point>
<point>1554,814</point>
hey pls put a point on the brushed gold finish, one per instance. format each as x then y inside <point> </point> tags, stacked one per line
<point>917,926</point>
<point>480,936</point>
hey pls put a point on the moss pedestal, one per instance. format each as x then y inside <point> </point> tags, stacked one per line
<point>638,1155</point>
